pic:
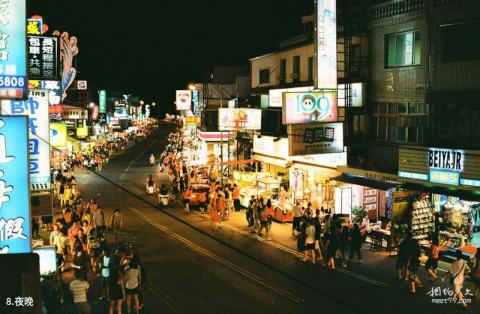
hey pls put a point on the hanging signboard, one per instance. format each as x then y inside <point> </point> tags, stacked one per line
<point>326,44</point>
<point>43,56</point>
<point>195,100</point>
<point>15,234</point>
<point>307,139</point>
<point>95,113</point>
<point>102,101</point>
<point>309,107</point>
<point>183,100</point>
<point>54,88</point>
<point>82,132</point>
<point>34,26</point>
<point>58,134</point>
<point>13,49</point>
<point>36,108</point>
<point>191,120</point>
<point>234,119</point>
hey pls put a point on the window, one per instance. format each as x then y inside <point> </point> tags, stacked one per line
<point>283,70</point>
<point>296,69</point>
<point>460,42</point>
<point>264,76</point>
<point>310,69</point>
<point>403,49</point>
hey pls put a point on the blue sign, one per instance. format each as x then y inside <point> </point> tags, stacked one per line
<point>15,234</point>
<point>413,175</point>
<point>13,49</point>
<point>470,182</point>
<point>444,177</point>
<point>196,108</point>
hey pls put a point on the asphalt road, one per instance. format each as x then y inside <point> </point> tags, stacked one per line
<point>191,269</point>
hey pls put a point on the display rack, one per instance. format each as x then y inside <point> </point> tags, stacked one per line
<point>422,220</point>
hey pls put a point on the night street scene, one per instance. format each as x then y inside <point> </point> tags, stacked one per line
<point>239,156</point>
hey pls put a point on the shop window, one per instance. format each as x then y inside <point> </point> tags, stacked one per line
<point>460,42</point>
<point>264,76</point>
<point>403,49</point>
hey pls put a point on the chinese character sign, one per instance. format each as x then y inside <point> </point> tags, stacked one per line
<point>34,26</point>
<point>309,107</point>
<point>326,44</point>
<point>13,58</point>
<point>321,138</point>
<point>43,55</point>
<point>36,108</point>
<point>195,97</point>
<point>239,119</point>
<point>102,101</point>
<point>14,192</point>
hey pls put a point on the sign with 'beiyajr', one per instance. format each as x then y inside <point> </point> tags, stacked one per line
<point>445,159</point>
<point>14,193</point>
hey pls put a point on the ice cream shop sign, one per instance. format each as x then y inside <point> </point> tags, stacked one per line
<point>445,159</point>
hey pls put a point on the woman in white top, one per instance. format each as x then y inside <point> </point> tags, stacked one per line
<point>309,240</point>
<point>132,284</point>
<point>457,272</point>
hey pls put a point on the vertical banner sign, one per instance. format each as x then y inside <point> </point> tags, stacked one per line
<point>36,108</point>
<point>195,96</point>
<point>13,49</point>
<point>14,195</point>
<point>326,44</point>
<point>102,101</point>
<point>43,56</point>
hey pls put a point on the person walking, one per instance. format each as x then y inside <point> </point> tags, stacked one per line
<point>221,207</point>
<point>105,273</point>
<point>317,223</point>
<point>402,259</point>
<point>236,197</point>
<point>116,223</point>
<point>256,216</point>
<point>432,261</point>
<point>332,246</point>
<point>297,217</point>
<point>476,274</point>
<point>79,288</point>
<point>343,244</point>
<point>186,198</point>
<point>309,240</point>
<point>414,253</point>
<point>249,212</point>
<point>132,284</point>
<point>213,213</point>
<point>356,243</point>
<point>270,214</point>
<point>98,219</point>
<point>202,200</point>
<point>457,276</point>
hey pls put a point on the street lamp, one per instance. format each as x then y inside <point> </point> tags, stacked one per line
<point>91,105</point>
<point>153,104</point>
<point>192,87</point>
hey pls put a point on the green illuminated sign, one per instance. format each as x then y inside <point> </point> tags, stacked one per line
<point>102,101</point>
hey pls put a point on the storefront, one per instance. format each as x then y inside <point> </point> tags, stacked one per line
<point>213,146</point>
<point>447,182</point>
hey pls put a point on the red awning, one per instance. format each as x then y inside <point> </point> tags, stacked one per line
<point>239,162</point>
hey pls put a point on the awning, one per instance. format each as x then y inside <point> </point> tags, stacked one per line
<point>238,162</point>
<point>362,181</point>
<point>467,195</point>
<point>271,160</point>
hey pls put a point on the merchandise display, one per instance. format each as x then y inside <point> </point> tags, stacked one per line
<point>421,221</point>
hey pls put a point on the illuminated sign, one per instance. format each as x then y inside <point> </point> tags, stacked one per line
<point>95,113</point>
<point>413,175</point>
<point>275,95</point>
<point>13,49</point>
<point>36,107</point>
<point>58,135</point>
<point>102,101</point>
<point>232,119</point>
<point>82,132</point>
<point>309,107</point>
<point>34,26</point>
<point>470,182</point>
<point>43,56</point>
<point>82,85</point>
<point>357,95</point>
<point>444,177</point>
<point>445,159</point>
<point>15,234</point>
<point>306,139</point>
<point>191,120</point>
<point>183,99</point>
<point>326,44</point>
<point>195,97</point>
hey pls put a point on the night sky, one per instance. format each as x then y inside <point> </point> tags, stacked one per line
<point>152,47</point>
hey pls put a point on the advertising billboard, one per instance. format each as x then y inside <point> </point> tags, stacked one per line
<point>191,120</point>
<point>326,44</point>
<point>13,49</point>
<point>195,99</point>
<point>234,119</point>
<point>275,95</point>
<point>58,134</point>
<point>36,108</point>
<point>309,107</point>
<point>102,101</point>
<point>54,88</point>
<point>183,100</point>
<point>308,139</point>
<point>15,234</point>
<point>82,132</point>
<point>43,55</point>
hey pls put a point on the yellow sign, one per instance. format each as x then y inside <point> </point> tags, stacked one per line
<point>58,134</point>
<point>82,132</point>
<point>191,120</point>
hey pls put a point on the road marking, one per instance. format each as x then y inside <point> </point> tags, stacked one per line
<point>295,253</point>
<point>135,159</point>
<point>217,258</point>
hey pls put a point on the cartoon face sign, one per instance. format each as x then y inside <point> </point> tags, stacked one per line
<point>308,103</point>
<point>183,98</point>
